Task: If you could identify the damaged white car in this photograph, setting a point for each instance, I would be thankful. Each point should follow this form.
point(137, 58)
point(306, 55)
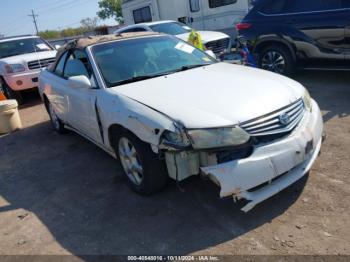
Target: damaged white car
point(166, 109)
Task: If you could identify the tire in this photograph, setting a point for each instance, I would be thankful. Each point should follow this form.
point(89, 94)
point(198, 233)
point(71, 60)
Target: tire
point(146, 174)
point(9, 93)
point(57, 124)
point(277, 59)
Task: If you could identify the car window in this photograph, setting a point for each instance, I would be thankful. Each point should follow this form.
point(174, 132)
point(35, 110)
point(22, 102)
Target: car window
point(345, 3)
point(296, 6)
point(173, 28)
point(274, 7)
point(300, 6)
point(23, 46)
point(77, 64)
point(135, 29)
point(124, 60)
point(60, 65)
point(219, 3)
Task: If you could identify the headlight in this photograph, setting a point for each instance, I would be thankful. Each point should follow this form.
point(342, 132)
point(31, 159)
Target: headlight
point(307, 100)
point(220, 137)
point(14, 68)
point(177, 140)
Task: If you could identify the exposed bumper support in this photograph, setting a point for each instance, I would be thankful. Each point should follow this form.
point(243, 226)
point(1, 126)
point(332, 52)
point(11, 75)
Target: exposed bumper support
point(278, 165)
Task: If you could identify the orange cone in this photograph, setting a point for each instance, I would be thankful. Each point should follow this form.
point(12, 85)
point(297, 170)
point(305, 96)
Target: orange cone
point(2, 96)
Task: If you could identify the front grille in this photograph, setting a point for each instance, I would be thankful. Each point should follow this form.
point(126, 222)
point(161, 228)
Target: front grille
point(218, 46)
point(40, 63)
point(271, 124)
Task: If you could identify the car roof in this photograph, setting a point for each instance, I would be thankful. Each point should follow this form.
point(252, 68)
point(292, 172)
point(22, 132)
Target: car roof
point(146, 24)
point(11, 38)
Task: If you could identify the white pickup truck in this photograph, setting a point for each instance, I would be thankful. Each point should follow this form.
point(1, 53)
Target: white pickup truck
point(166, 109)
point(21, 60)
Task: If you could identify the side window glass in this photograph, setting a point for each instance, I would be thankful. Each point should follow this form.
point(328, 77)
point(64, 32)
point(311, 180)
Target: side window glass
point(60, 66)
point(136, 29)
point(78, 54)
point(74, 67)
point(194, 5)
point(274, 7)
point(312, 5)
point(345, 3)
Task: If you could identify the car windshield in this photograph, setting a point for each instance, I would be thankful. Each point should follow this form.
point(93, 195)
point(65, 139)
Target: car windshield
point(132, 60)
point(22, 46)
point(173, 28)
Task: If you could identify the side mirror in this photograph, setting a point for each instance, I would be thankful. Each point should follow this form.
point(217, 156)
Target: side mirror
point(79, 82)
point(57, 47)
point(210, 53)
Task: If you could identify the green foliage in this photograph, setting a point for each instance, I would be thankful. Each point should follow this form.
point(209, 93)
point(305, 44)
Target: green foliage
point(110, 9)
point(52, 34)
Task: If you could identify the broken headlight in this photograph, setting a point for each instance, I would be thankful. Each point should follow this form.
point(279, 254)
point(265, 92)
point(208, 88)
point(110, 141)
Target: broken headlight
point(176, 140)
point(307, 100)
point(218, 137)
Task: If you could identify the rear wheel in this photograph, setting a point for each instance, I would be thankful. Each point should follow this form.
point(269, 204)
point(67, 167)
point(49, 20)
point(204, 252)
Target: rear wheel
point(277, 59)
point(145, 172)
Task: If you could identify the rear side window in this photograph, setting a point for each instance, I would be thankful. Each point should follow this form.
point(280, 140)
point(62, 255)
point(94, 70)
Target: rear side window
point(301, 6)
point(142, 15)
point(60, 66)
point(218, 3)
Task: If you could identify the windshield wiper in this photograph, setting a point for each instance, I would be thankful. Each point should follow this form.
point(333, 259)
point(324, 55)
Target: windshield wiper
point(136, 79)
point(188, 67)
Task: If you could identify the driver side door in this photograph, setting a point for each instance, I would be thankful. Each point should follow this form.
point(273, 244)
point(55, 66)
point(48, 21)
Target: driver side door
point(82, 108)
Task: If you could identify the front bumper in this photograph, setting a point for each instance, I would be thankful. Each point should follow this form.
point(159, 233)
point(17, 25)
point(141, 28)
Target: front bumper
point(28, 80)
point(278, 164)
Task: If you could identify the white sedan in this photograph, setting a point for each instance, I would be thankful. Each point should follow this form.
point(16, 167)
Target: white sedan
point(166, 109)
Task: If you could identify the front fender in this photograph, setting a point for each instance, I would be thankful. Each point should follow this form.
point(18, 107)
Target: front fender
point(144, 122)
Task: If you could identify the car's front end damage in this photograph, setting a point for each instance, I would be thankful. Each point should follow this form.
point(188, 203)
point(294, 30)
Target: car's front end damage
point(264, 156)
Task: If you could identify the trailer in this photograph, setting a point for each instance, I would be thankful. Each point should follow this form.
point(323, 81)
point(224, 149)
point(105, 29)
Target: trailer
point(217, 15)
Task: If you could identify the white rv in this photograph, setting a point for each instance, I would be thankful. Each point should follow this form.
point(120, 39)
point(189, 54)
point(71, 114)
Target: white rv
point(219, 15)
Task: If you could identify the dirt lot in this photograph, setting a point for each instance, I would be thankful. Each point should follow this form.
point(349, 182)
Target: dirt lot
point(63, 195)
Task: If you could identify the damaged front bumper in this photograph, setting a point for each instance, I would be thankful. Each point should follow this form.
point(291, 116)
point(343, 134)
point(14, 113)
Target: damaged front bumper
point(271, 167)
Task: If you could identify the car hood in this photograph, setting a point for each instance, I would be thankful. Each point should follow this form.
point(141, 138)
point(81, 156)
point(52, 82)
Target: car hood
point(216, 95)
point(25, 58)
point(207, 36)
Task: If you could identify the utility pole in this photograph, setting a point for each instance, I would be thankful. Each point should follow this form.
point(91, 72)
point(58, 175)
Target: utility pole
point(34, 16)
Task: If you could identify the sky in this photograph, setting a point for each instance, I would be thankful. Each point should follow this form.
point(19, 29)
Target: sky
point(52, 14)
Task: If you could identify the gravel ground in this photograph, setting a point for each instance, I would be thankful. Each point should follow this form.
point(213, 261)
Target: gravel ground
point(63, 195)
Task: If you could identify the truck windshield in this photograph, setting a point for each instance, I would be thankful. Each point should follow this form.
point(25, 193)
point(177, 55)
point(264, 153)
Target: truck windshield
point(22, 46)
point(173, 28)
point(132, 60)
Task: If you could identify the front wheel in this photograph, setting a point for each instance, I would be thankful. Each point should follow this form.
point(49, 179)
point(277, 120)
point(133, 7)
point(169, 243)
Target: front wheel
point(277, 59)
point(145, 172)
point(57, 124)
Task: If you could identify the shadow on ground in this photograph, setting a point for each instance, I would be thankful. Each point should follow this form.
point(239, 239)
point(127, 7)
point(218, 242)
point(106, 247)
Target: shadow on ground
point(79, 194)
point(331, 90)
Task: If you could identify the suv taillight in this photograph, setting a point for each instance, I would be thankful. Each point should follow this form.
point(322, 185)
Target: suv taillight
point(243, 26)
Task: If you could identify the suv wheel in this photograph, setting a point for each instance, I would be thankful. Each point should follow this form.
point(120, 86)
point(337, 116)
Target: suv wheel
point(276, 59)
point(145, 172)
point(57, 124)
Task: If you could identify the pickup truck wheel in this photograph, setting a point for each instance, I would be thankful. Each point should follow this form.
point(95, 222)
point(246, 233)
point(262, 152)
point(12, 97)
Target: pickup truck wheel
point(277, 59)
point(57, 124)
point(145, 172)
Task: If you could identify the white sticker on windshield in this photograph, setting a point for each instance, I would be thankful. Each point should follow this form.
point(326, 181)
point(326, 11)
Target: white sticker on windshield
point(185, 47)
point(42, 47)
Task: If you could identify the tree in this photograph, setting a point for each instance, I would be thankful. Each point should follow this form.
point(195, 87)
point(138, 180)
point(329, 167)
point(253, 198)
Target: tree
point(110, 9)
point(89, 23)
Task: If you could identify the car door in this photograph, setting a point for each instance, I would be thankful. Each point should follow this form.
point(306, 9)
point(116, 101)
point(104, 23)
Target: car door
point(82, 107)
point(321, 24)
point(56, 85)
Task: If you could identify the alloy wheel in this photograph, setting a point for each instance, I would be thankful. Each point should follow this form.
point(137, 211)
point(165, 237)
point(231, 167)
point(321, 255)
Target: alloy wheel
point(273, 61)
point(130, 161)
